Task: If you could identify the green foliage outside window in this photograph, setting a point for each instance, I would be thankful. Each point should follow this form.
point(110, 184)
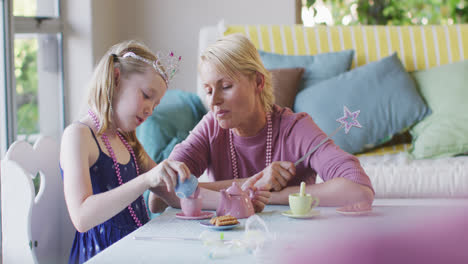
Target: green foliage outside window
point(397, 12)
point(26, 86)
point(25, 56)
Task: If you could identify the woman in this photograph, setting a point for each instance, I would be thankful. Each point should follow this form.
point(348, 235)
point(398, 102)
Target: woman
point(245, 134)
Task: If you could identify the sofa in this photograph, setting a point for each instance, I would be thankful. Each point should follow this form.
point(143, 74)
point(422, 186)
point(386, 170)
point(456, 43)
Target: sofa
point(409, 82)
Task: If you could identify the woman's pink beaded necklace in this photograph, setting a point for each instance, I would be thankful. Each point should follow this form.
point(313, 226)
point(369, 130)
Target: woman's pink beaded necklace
point(235, 170)
point(105, 139)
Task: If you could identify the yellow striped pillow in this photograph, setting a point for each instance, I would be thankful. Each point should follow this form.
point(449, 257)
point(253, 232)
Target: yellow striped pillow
point(387, 150)
point(419, 47)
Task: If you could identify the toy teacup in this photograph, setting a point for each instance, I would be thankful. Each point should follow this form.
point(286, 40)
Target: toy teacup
point(301, 203)
point(186, 188)
point(192, 205)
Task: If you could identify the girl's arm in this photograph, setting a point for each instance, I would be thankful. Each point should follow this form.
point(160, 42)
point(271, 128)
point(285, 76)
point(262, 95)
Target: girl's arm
point(85, 208)
point(335, 192)
point(195, 150)
point(160, 197)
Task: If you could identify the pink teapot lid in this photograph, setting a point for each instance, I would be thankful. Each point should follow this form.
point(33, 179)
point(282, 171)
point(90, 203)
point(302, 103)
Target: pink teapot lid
point(235, 189)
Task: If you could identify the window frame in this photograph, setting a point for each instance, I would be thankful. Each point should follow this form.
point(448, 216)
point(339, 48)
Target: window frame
point(8, 124)
point(11, 26)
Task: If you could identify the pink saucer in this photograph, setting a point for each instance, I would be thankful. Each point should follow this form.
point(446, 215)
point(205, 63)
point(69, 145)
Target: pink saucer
point(356, 213)
point(203, 215)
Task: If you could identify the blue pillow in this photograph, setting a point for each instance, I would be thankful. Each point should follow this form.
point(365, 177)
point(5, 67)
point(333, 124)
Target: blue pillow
point(317, 67)
point(171, 122)
point(383, 91)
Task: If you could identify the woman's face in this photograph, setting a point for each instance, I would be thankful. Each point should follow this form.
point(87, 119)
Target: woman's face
point(231, 101)
point(136, 97)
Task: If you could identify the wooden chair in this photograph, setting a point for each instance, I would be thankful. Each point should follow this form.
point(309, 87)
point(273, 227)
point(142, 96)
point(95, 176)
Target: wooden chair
point(36, 228)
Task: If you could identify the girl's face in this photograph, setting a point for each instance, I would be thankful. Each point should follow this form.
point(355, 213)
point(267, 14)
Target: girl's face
point(231, 101)
point(136, 97)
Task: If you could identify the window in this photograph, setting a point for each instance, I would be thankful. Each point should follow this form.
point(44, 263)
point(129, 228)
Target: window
point(32, 75)
point(319, 12)
point(381, 12)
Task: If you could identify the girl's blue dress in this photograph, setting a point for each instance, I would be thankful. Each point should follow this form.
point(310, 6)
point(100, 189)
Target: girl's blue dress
point(104, 178)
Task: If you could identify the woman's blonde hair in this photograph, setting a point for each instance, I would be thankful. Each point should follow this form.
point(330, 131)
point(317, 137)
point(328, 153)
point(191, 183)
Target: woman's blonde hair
point(233, 55)
point(102, 85)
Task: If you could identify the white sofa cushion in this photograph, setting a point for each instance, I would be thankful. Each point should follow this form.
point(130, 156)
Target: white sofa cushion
point(399, 176)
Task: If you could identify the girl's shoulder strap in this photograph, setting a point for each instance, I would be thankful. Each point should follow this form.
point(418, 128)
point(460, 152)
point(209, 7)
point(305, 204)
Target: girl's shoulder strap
point(92, 133)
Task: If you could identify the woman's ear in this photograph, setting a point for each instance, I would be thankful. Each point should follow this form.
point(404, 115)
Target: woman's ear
point(259, 81)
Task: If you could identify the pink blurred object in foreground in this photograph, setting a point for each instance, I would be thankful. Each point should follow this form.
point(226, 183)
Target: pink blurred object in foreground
point(440, 236)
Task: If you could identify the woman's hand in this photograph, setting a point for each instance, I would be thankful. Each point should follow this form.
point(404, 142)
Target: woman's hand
point(276, 176)
point(259, 197)
point(166, 173)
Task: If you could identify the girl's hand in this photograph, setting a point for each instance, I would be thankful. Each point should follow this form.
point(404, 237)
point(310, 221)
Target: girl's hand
point(276, 176)
point(166, 173)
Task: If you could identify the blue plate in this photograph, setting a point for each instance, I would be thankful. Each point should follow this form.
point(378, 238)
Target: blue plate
point(207, 224)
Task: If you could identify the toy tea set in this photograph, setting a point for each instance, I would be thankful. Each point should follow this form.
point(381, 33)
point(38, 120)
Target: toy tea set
point(302, 204)
point(234, 201)
point(237, 202)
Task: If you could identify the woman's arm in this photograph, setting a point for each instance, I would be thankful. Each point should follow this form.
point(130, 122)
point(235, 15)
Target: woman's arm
point(224, 184)
point(210, 198)
point(345, 181)
point(335, 192)
point(194, 151)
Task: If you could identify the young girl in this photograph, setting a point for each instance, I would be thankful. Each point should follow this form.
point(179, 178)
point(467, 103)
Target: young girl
point(104, 167)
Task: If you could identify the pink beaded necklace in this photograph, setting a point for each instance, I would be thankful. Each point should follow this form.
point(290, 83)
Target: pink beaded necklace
point(235, 170)
point(105, 139)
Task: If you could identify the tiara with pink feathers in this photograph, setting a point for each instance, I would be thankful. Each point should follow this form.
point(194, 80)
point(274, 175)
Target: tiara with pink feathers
point(166, 65)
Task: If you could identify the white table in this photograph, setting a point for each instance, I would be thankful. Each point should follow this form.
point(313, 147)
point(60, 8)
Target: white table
point(391, 212)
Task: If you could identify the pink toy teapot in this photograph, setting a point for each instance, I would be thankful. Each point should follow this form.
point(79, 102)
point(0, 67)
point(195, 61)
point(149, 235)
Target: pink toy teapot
point(236, 202)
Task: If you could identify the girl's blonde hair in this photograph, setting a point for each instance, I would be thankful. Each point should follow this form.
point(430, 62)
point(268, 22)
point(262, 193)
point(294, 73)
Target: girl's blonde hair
point(102, 85)
point(233, 55)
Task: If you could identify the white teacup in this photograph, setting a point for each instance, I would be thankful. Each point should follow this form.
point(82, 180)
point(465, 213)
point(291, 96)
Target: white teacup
point(302, 204)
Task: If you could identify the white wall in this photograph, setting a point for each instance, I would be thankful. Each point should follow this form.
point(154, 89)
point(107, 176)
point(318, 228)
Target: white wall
point(174, 25)
point(105, 29)
point(78, 54)
point(161, 24)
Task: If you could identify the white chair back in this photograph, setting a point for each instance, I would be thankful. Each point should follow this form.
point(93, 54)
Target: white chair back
point(36, 228)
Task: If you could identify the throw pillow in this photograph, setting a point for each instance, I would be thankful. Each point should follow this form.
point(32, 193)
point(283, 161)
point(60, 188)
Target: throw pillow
point(445, 132)
point(170, 123)
point(382, 90)
point(318, 67)
point(285, 84)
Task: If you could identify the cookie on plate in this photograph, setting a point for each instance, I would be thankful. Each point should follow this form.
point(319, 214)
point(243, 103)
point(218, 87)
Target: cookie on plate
point(223, 220)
